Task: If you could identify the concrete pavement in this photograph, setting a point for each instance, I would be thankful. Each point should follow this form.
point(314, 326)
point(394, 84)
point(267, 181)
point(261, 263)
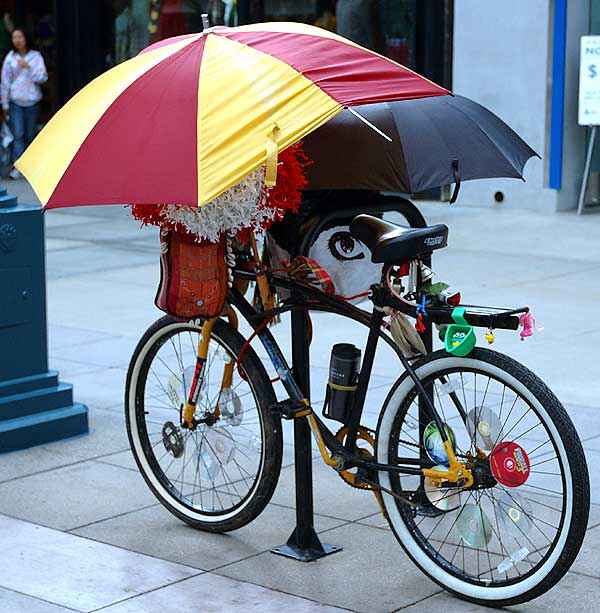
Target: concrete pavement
point(82, 531)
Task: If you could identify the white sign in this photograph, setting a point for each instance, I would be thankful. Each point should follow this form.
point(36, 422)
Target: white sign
point(589, 81)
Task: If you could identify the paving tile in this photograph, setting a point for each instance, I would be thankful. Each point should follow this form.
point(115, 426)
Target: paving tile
point(215, 594)
point(68, 368)
point(101, 388)
point(72, 496)
point(156, 532)
point(59, 219)
point(146, 275)
point(69, 336)
point(588, 561)
point(107, 434)
point(120, 234)
point(116, 309)
point(29, 461)
point(573, 593)
point(371, 574)
point(14, 602)
point(73, 572)
point(594, 519)
point(91, 258)
point(593, 458)
point(55, 244)
point(110, 352)
point(332, 496)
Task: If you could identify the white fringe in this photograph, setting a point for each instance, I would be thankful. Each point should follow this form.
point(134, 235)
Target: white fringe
point(241, 206)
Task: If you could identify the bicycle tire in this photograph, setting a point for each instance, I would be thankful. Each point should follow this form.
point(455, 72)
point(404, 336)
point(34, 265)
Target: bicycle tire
point(542, 403)
point(163, 486)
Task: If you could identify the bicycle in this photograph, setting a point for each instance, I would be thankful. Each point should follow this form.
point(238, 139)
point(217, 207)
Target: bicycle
point(474, 462)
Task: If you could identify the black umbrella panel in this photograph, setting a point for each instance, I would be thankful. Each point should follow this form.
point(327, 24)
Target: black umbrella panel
point(434, 142)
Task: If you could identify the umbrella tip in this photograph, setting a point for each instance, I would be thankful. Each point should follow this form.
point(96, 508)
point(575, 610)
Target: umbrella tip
point(205, 23)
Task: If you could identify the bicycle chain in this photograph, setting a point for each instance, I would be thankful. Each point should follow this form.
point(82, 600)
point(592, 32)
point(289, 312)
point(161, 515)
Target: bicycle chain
point(348, 477)
point(421, 446)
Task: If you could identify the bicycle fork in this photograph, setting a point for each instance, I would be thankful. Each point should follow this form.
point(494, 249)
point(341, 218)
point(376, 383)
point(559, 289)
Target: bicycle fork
point(187, 417)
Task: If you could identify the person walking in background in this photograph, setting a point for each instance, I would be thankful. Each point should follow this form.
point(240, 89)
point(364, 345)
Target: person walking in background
point(23, 71)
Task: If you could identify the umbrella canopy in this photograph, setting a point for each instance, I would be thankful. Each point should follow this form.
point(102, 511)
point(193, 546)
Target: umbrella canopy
point(191, 116)
point(434, 142)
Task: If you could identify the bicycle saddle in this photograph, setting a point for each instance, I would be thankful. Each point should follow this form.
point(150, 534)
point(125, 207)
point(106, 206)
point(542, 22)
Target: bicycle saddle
point(393, 244)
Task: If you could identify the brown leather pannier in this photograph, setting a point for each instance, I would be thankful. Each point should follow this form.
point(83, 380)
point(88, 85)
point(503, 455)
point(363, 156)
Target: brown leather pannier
point(193, 276)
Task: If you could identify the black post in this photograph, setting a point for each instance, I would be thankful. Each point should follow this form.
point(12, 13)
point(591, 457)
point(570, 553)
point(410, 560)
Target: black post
point(303, 544)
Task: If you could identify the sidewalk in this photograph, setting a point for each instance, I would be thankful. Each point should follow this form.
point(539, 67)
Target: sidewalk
point(82, 532)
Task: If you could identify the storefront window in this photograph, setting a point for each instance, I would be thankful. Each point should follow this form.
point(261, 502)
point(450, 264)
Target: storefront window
point(386, 26)
point(131, 28)
point(139, 23)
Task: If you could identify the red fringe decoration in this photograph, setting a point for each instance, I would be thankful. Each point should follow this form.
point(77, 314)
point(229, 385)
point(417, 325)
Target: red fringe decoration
point(286, 195)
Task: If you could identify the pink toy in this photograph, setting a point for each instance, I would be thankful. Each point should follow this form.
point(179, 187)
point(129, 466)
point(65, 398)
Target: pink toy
point(527, 320)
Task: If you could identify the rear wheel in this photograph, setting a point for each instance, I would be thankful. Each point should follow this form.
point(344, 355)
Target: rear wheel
point(514, 534)
point(216, 477)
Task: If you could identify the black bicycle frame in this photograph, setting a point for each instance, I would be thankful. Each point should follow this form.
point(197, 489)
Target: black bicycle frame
point(312, 299)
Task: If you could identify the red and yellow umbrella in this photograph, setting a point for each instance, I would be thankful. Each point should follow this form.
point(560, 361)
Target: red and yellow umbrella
point(191, 116)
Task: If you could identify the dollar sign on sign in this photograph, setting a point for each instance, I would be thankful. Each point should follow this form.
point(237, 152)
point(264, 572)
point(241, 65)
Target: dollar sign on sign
point(592, 69)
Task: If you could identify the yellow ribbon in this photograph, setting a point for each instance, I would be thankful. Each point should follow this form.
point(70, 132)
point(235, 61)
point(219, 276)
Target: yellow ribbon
point(271, 149)
point(343, 388)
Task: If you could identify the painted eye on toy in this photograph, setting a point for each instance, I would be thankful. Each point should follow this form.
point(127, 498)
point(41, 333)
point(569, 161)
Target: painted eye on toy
point(345, 247)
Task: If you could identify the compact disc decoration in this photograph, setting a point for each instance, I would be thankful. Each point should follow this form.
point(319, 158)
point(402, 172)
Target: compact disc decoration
point(443, 498)
point(510, 464)
point(474, 526)
point(434, 446)
point(514, 515)
point(484, 427)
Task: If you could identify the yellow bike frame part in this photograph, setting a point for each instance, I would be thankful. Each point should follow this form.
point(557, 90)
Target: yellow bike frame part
point(207, 327)
point(314, 426)
point(457, 471)
point(227, 379)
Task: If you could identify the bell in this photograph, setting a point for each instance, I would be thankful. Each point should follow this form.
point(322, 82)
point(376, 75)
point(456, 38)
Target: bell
point(426, 274)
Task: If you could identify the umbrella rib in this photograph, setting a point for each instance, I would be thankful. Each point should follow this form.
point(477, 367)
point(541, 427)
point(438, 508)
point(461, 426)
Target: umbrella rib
point(368, 123)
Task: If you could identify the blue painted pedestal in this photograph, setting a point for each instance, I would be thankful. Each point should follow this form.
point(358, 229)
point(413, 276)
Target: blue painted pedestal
point(35, 407)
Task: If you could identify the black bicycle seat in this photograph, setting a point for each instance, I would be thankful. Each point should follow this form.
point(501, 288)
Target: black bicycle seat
point(393, 244)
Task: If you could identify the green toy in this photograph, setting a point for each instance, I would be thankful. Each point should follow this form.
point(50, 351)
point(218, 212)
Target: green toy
point(460, 336)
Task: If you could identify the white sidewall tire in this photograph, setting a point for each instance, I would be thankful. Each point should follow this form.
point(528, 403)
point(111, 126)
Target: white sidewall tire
point(138, 451)
point(417, 554)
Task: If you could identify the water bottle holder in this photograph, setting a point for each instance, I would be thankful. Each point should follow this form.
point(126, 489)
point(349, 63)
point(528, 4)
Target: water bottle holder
point(338, 408)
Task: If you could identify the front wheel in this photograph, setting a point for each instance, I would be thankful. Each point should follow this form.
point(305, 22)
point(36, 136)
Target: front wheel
point(220, 475)
point(513, 534)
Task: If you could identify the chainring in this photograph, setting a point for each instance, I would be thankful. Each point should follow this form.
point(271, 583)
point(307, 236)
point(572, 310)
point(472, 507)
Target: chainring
point(364, 434)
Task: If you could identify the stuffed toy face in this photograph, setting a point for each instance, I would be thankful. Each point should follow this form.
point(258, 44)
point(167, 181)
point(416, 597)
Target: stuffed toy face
point(345, 258)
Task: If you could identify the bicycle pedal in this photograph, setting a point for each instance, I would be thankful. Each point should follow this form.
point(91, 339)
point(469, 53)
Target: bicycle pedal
point(291, 409)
